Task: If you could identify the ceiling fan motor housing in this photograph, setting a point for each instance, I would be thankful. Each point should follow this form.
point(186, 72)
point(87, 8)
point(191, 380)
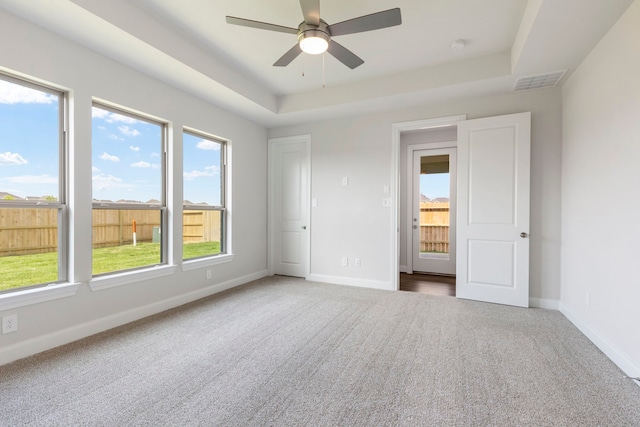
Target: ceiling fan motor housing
point(307, 31)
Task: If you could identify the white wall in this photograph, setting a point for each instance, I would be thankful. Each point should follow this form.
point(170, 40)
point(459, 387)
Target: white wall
point(350, 221)
point(601, 193)
point(34, 52)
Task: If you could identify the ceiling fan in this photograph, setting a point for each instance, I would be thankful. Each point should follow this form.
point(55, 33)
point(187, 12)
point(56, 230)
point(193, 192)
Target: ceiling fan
point(315, 35)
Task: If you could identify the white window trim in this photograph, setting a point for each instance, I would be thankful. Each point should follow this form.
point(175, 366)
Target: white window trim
point(112, 280)
point(24, 297)
point(196, 263)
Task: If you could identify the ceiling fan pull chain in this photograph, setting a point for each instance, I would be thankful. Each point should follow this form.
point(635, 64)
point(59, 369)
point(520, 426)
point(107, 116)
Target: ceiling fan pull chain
point(303, 56)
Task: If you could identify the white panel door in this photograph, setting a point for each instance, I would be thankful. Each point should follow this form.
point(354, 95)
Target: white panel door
point(289, 179)
point(434, 210)
point(493, 209)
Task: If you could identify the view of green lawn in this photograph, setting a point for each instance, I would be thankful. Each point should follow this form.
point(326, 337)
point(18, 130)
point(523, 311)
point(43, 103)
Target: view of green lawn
point(26, 270)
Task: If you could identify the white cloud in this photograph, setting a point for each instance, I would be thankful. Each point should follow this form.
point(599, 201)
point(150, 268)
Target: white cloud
point(11, 93)
point(115, 137)
point(9, 158)
point(109, 117)
point(208, 171)
point(106, 156)
point(155, 155)
point(106, 182)
point(206, 144)
point(94, 169)
point(32, 179)
point(126, 130)
point(133, 148)
point(141, 164)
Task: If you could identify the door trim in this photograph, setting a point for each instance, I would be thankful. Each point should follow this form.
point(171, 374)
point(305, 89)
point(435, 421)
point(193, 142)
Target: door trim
point(296, 139)
point(396, 132)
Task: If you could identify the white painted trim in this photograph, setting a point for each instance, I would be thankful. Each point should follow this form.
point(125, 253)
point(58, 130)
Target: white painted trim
point(548, 304)
point(206, 262)
point(127, 277)
point(36, 345)
point(396, 132)
point(404, 269)
point(24, 297)
point(350, 281)
point(306, 139)
point(612, 352)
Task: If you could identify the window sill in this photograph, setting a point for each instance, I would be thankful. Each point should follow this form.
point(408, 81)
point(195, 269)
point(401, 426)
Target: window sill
point(120, 279)
point(9, 301)
point(206, 262)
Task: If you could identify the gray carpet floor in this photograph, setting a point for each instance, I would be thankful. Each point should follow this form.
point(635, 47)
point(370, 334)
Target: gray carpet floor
point(285, 352)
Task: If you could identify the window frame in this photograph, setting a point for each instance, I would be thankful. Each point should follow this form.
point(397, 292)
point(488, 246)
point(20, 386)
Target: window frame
point(222, 208)
point(61, 204)
point(102, 280)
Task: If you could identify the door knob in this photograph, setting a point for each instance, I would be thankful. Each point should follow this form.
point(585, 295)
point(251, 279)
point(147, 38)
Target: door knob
point(524, 235)
point(415, 227)
point(304, 227)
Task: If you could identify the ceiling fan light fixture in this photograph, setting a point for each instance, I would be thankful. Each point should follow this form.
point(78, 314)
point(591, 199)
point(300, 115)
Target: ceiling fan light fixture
point(314, 42)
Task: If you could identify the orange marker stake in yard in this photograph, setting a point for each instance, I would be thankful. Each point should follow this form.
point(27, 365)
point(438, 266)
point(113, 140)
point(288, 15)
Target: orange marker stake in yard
point(133, 226)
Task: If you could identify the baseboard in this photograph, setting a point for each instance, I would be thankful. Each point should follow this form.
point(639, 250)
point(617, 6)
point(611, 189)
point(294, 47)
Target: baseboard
point(350, 281)
point(549, 304)
point(46, 342)
point(403, 269)
point(611, 351)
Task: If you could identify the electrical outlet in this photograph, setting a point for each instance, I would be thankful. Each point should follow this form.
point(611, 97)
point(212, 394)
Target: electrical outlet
point(9, 323)
point(208, 274)
point(356, 262)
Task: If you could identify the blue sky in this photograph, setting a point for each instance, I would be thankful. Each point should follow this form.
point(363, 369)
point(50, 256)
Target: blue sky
point(434, 185)
point(126, 153)
point(29, 159)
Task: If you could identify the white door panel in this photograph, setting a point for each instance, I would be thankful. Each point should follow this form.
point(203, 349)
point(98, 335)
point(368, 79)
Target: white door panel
point(493, 209)
point(288, 187)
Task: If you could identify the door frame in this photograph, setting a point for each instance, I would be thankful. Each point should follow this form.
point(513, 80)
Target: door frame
point(409, 195)
point(396, 132)
point(271, 220)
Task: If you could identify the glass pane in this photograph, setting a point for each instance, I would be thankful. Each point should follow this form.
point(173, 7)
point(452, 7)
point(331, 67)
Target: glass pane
point(28, 246)
point(126, 159)
point(115, 244)
point(29, 143)
point(201, 231)
point(434, 204)
point(201, 161)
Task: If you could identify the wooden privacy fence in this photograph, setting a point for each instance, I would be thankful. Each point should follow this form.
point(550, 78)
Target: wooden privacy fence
point(30, 231)
point(434, 227)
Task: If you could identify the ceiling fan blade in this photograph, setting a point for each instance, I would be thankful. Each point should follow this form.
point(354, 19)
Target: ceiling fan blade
point(311, 11)
point(260, 25)
point(288, 57)
point(344, 55)
point(375, 21)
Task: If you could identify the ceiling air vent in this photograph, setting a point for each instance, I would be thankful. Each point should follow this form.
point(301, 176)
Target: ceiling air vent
point(539, 81)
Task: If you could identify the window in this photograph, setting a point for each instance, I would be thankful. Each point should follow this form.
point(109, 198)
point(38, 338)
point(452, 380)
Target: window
point(204, 207)
point(129, 196)
point(33, 211)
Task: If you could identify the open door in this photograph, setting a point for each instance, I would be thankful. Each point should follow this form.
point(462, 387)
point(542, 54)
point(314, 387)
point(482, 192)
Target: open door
point(493, 209)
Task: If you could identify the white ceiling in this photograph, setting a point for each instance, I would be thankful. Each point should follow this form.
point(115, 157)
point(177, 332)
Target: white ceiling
point(188, 44)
